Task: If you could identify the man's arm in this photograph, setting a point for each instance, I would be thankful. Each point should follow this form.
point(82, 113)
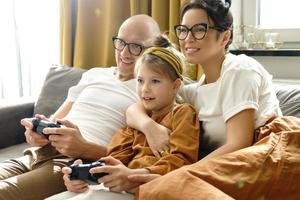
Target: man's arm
point(69, 142)
point(62, 111)
point(156, 134)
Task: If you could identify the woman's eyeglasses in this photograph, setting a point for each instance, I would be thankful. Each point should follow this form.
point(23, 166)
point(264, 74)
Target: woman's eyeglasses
point(198, 31)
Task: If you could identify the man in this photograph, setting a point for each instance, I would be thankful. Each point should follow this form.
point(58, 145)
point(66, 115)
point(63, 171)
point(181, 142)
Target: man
point(93, 111)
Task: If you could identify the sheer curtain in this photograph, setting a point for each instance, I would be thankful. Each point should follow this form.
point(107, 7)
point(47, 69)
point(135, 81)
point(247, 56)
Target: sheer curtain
point(29, 45)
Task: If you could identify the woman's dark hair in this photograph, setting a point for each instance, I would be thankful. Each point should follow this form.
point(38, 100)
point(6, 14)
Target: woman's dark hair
point(217, 10)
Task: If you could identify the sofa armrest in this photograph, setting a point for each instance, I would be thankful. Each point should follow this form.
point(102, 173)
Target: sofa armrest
point(11, 131)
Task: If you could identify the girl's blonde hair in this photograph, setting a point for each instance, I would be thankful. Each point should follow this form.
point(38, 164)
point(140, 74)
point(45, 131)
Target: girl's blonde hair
point(165, 67)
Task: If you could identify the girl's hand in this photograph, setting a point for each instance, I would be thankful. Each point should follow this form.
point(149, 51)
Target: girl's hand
point(116, 180)
point(77, 186)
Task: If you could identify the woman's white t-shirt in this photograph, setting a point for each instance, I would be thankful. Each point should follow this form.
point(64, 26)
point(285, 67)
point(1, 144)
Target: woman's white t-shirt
point(243, 84)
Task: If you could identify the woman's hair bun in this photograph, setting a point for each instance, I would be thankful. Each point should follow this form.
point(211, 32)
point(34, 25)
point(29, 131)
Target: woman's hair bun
point(223, 7)
point(227, 4)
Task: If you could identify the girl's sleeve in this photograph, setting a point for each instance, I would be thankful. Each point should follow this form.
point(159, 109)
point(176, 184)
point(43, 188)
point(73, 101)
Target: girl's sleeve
point(120, 146)
point(184, 141)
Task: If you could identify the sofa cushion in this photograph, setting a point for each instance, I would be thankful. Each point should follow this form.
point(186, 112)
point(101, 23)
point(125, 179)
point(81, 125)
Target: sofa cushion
point(289, 99)
point(55, 88)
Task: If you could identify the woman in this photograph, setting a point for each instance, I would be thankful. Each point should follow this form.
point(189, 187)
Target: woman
point(233, 98)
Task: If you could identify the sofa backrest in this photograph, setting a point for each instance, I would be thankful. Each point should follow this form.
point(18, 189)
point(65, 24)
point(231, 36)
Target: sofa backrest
point(289, 99)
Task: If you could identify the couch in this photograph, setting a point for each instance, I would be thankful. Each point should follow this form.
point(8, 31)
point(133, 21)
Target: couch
point(53, 93)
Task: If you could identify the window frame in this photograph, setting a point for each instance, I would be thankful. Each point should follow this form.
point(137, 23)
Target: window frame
point(250, 17)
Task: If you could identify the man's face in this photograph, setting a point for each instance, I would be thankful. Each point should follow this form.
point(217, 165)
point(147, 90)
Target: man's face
point(130, 43)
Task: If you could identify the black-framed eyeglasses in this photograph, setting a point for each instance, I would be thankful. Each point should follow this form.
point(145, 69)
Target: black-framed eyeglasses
point(198, 31)
point(134, 49)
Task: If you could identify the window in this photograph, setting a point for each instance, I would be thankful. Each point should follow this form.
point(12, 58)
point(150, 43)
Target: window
point(274, 16)
point(269, 17)
point(29, 45)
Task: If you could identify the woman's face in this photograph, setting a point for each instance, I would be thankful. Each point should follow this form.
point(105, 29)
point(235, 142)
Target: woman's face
point(205, 50)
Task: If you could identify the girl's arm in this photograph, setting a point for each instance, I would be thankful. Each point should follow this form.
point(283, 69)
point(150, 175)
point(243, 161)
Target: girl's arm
point(156, 134)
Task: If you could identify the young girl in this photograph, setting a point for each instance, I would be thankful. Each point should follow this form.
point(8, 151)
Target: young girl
point(235, 99)
point(158, 74)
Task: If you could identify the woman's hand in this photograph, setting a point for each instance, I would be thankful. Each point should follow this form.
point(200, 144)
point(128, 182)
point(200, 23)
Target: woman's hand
point(156, 134)
point(158, 138)
point(139, 179)
point(77, 186)
point(32, 137)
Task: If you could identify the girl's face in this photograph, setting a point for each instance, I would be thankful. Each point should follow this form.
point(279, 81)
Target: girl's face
point(205, 50)
point(156, 91)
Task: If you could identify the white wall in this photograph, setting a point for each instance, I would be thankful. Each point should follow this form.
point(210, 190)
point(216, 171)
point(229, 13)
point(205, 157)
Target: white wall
point(281, 67)
point(236, 9)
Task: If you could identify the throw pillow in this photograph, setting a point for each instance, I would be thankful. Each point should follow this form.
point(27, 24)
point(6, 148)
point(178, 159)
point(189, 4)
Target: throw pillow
point(55, 88)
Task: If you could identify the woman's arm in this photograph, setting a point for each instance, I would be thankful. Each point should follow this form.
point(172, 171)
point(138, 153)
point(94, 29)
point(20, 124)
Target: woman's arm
point(184, 140)
point(156, 134)
point(240, 130)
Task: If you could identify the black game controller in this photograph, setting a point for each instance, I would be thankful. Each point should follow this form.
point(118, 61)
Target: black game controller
point(39, 125)
point(81, 172)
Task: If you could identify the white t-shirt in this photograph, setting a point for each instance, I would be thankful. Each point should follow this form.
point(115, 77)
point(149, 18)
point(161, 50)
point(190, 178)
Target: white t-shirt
point(100, 102)
point(243, 84)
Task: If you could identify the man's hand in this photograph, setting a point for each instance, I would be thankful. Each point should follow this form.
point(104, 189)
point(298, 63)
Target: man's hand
point(67, 140)
point(74, 185)
point(116, 180)
point(140, 179)
point(158, 138)
point(32, 137)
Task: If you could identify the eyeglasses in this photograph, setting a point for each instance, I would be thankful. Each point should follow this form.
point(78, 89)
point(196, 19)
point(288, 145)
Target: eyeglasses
point(198, 31)
point(134, 49)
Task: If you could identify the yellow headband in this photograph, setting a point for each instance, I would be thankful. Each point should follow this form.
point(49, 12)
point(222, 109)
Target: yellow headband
point(168, 56)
